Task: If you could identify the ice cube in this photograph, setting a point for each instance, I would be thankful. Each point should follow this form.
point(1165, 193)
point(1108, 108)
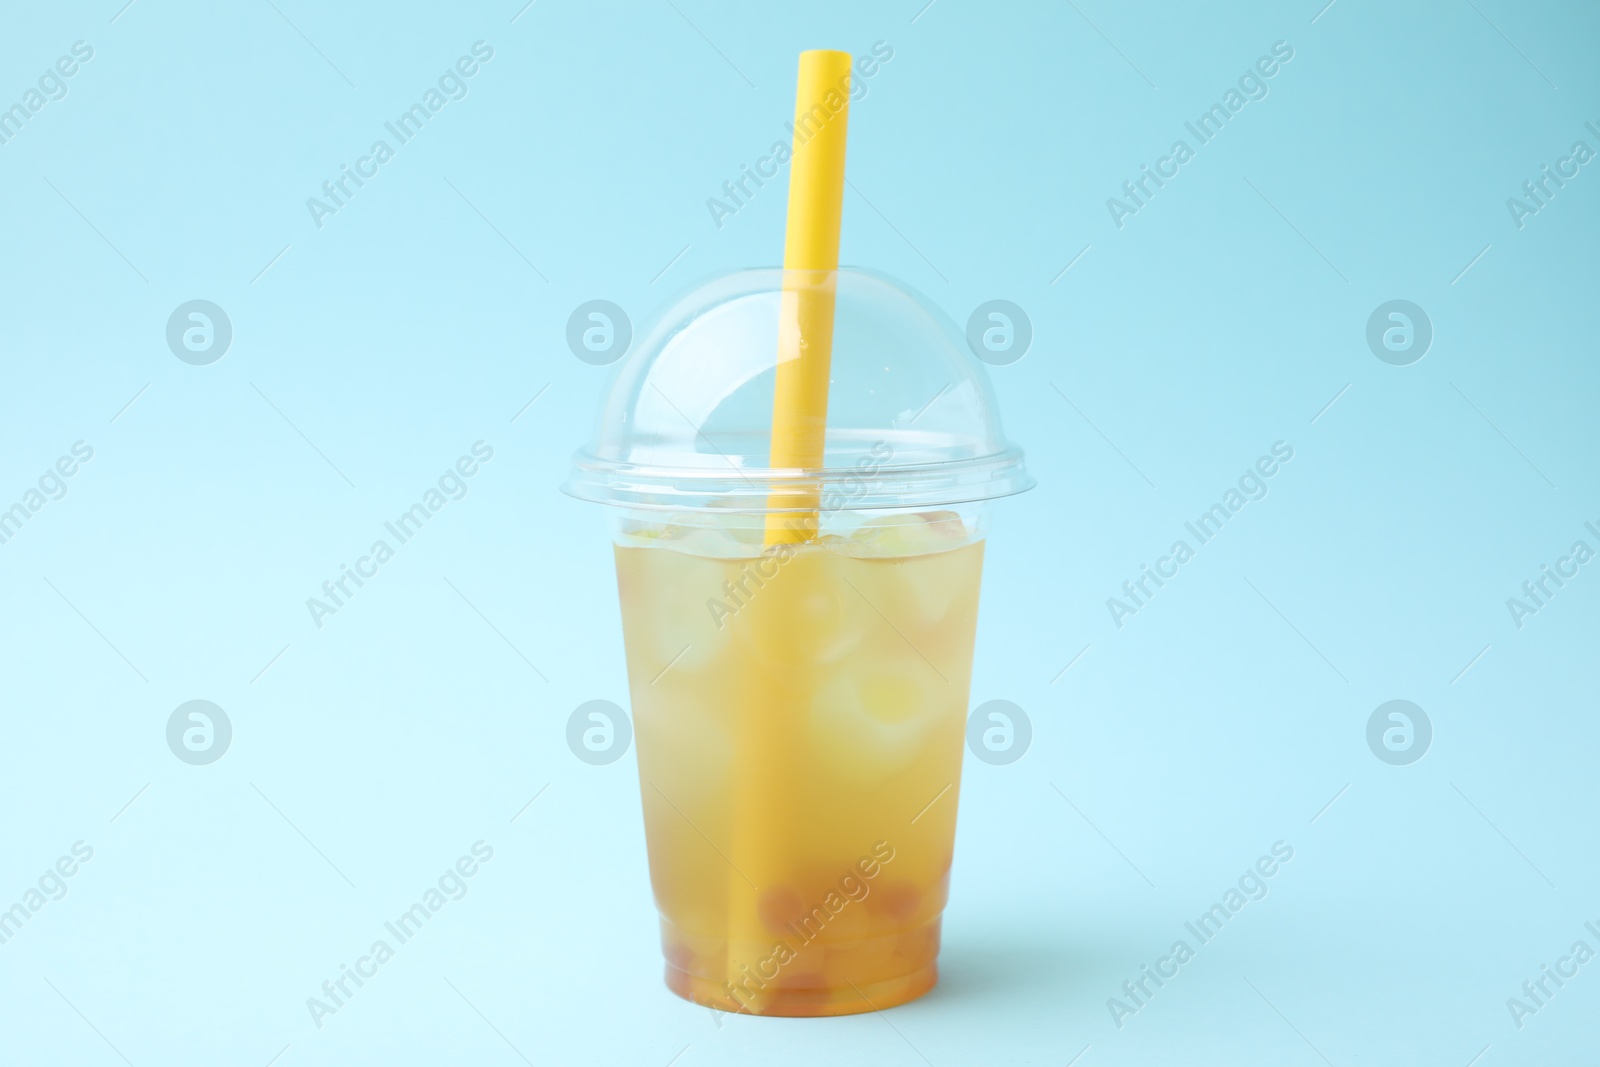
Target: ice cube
point(869, 723)
point(710, 535)
point(802, 613)
point(911, 534)
point(922, 595)
point(665, 615)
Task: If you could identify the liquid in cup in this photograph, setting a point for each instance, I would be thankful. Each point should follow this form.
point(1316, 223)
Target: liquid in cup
point(859, 651)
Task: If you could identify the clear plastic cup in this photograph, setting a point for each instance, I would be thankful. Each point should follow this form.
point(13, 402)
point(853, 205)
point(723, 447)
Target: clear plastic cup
point(799, 708)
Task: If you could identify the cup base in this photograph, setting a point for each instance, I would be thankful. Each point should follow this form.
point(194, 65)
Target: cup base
point(806, 1003)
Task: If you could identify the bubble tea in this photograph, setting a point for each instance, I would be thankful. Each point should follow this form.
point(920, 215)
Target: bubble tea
point(799, 704)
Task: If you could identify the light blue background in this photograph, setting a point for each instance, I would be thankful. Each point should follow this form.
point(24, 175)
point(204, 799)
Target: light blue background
point(1223, 317)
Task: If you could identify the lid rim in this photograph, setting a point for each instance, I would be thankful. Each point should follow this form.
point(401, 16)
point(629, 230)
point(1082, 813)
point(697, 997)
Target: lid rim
point(1007, 457)
point(746, 490)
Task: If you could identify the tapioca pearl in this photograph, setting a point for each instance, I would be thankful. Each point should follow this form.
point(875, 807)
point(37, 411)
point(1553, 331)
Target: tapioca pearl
point(780, 906)
point(851, 923)
point(869, 959)
point(898, 901)
point(920, 944)
point(679, 955)
point(805, 969)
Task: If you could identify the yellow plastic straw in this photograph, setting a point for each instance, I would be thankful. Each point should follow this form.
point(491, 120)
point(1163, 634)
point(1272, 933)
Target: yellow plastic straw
point(762, 825)
point(810, 256)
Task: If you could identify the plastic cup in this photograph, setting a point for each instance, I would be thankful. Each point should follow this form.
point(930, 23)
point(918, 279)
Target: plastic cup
point(799, 708)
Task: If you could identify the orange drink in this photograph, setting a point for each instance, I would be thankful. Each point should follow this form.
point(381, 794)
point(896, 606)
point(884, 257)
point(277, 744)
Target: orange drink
point(856, 653)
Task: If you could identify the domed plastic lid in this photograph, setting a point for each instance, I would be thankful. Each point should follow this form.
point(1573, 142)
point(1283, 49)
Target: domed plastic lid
point(686, 426)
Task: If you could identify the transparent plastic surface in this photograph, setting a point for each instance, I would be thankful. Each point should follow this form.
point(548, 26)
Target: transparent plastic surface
point(799, 641)
point(687, 424)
